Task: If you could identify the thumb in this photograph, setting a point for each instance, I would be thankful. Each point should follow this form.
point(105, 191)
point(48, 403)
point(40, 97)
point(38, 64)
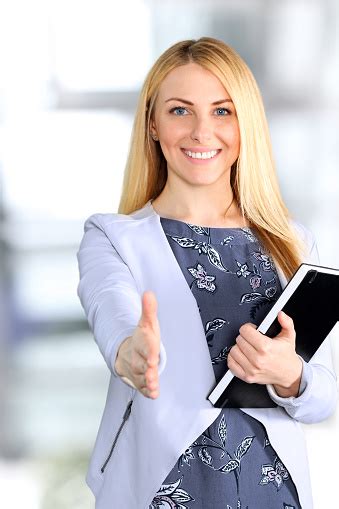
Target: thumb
point(149, 309)
point(287, 326)
point(149, 319)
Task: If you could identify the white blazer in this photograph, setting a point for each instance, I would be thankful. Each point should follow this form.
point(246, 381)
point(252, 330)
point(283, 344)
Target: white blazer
point(121, 256)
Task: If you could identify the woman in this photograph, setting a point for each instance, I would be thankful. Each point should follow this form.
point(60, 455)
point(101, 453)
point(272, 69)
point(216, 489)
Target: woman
point(173, 287)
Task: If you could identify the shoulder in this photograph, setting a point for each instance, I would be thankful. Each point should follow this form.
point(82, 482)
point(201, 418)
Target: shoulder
point(310, 250)
point(305, 233)
point(104, 221)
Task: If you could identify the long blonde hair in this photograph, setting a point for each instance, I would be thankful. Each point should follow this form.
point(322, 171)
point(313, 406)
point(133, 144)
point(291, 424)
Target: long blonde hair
point(253, 176)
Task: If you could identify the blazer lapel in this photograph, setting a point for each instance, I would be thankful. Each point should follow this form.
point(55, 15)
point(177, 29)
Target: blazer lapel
point(188, 376)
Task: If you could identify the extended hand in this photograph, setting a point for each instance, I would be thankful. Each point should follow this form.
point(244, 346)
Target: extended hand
point(138, 356)
point(256, 358)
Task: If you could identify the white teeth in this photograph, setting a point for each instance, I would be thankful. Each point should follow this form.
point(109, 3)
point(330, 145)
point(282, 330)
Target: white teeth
point(201, 155)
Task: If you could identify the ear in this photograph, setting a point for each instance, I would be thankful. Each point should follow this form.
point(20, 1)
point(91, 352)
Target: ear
point(152, 126)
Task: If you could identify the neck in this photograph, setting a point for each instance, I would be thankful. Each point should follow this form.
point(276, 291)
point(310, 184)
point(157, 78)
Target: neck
point(200, 207)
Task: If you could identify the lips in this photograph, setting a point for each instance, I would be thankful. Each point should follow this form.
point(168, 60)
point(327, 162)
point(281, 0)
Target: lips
point(198, 160)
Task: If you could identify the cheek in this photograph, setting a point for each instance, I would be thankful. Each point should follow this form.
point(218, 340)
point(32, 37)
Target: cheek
point(231, 136)
point(171, 139)
point(237, 142)
point(175, 129)
point(170, 132)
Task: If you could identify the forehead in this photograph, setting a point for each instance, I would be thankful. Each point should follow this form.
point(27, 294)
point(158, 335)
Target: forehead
point(192, 81)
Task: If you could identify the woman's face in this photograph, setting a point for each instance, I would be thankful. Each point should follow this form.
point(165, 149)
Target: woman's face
point(192, 122)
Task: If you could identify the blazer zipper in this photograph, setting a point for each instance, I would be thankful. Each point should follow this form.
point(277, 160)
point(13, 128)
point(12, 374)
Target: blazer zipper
point(124, 419)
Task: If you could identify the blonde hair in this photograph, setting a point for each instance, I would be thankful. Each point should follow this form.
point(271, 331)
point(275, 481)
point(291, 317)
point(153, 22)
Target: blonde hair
point(253, 176)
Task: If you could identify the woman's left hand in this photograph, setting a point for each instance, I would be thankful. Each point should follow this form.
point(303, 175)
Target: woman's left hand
point(256, 358)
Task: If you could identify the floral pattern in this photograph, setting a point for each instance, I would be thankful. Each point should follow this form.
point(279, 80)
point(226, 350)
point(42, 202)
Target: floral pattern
point(234, 281)
point(243, 270)
point(201, 278)
point(276, 473)
point(171, 496)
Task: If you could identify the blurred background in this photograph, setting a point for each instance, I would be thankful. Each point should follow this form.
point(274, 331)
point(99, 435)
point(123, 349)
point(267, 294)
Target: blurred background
point(70, 75)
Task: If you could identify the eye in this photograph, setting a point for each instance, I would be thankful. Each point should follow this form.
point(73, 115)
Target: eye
point(177, 108)
point(225, 110)
point(182, 108)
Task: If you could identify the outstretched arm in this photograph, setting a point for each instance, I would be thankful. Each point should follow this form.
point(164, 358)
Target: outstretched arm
point(108, 292)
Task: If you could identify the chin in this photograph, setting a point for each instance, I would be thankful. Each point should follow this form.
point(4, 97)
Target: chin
point(203, 180)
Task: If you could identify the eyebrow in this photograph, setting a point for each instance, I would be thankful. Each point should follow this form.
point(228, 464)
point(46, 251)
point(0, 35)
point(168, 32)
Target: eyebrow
point(192, 104)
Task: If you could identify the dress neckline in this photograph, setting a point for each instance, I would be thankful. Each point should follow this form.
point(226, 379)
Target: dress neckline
point(210, 228)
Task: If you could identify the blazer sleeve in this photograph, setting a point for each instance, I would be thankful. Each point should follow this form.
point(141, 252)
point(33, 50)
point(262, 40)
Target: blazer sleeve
point(108, 292)
point(318, 393)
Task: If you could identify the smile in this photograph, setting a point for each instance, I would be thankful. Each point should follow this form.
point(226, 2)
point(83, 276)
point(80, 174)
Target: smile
point(201, 156)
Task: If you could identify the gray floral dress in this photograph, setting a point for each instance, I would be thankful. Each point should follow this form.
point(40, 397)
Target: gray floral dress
point(232, 464)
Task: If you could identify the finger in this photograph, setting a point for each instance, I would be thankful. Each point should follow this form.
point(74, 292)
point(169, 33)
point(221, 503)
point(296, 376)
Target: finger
point(237, 355)
point(141, 382)
point(149, 309)
point(145, 376)
point(153, 358)
point(152, 378)
point(149, 351)
point(247, 349)
point(255, 338)
point(147, 383)
point(152, 349)
point(287, 326)
point(235, 368)
point(150, 394)
point(147, 389)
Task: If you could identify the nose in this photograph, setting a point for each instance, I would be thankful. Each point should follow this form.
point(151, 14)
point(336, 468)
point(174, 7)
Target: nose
point(201, 130)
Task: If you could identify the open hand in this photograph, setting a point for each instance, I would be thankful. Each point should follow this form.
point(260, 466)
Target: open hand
point(138, 356)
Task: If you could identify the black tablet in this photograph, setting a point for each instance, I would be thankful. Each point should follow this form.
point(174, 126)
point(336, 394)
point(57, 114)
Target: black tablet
point(311, 299)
